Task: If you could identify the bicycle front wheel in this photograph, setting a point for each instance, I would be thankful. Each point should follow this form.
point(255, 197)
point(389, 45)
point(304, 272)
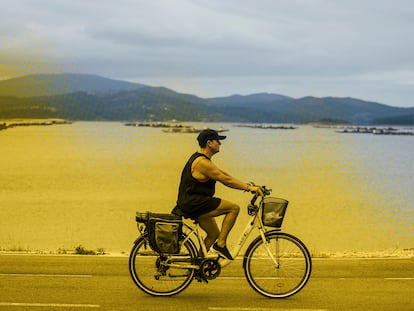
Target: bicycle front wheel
point(158, 274)
point(278, 267)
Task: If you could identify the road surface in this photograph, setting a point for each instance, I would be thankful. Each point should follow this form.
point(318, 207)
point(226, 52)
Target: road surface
point(47, 282)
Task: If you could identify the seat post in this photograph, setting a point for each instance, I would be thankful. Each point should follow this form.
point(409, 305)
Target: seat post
point(200, 238)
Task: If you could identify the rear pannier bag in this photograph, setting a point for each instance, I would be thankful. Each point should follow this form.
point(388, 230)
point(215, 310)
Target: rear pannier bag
point(164, 231)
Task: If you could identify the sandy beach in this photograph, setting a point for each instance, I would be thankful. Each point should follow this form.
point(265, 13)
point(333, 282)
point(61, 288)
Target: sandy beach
point(63, 186)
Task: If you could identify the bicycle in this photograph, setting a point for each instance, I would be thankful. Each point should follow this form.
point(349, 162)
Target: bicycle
point(276, 264)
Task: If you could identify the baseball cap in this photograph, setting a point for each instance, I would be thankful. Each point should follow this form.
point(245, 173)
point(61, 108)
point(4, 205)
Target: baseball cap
point(208, 134)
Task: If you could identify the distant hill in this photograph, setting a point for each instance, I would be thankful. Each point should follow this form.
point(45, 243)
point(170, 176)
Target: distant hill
point(397, 120)
point(303, 110)
point(145, 103)
point(55, 84)
point(90, 97)
point(262, 100)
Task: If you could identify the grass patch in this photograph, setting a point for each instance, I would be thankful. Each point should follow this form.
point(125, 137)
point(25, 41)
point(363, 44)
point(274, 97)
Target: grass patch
point(80, 250)
point(17, 249)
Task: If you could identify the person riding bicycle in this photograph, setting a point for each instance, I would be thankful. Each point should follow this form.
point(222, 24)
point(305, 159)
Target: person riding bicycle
point(196, 193)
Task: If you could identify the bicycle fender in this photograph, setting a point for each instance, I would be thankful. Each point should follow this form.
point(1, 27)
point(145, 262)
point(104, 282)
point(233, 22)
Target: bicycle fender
point(139, 237)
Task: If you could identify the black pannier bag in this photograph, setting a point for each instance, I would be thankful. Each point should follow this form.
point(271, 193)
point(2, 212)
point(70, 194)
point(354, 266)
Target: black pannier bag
point(164, 231)
point(273, 211)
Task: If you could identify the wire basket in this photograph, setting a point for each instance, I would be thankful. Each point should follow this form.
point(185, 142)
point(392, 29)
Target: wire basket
point(273, 211)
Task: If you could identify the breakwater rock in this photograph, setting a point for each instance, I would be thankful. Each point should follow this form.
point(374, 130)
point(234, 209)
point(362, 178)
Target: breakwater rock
point(375, 131)
point(31, 122)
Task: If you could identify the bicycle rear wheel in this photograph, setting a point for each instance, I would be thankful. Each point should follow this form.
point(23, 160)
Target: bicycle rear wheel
point(283, 275)
point(152, 272)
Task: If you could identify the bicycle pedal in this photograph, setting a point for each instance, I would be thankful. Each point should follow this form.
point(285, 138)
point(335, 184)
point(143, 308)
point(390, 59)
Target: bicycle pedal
point(200, 278)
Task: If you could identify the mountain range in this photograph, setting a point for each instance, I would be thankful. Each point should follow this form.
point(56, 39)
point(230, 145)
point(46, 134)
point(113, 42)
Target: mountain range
point(91, 97)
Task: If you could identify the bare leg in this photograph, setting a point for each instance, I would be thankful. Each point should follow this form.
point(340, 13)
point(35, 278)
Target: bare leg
point(209, 225)
point(231, 211)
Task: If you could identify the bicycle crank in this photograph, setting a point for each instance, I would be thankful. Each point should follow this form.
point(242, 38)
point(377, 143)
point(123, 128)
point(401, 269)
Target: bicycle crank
point(210, 268)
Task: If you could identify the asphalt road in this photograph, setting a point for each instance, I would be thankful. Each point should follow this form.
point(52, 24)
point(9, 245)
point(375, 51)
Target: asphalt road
point(42, 282)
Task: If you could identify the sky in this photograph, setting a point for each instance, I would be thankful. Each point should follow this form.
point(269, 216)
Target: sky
point(211, 48)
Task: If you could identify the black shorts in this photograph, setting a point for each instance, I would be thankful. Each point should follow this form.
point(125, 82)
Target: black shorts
point(202, 207)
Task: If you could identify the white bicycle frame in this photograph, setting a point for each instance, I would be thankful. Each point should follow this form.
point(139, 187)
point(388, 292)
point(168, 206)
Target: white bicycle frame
point(254, 219)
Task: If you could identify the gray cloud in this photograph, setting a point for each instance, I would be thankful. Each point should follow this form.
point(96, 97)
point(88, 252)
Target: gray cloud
point(212, 48)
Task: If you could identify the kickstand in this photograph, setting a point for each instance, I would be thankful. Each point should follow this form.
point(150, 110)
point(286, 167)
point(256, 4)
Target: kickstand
point(200, 277)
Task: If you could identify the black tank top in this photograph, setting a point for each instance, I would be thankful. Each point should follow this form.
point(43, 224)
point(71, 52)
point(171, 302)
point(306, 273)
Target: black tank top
point(192, 192)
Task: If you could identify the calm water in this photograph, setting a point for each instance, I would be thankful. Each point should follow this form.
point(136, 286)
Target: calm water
point(62, 186)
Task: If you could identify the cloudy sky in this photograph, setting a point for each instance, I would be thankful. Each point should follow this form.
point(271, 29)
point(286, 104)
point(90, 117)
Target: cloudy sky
point(356, 48)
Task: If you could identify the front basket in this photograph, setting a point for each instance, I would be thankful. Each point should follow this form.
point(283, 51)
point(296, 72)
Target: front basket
point(273, 211)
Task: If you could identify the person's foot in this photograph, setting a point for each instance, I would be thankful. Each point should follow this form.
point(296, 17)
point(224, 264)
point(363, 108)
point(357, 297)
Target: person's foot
point(223, 251)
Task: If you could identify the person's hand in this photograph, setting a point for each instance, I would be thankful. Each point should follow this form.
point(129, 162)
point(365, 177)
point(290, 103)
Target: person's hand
point(256, 189)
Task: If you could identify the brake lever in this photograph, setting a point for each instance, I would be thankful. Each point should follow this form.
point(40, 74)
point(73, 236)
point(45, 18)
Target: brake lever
point(265, 190)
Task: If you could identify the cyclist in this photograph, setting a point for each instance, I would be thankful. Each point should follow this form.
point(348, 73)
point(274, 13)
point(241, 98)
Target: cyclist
point(196, 193)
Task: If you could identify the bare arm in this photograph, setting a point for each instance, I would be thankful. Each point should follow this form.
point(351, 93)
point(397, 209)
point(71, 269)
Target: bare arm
point(210, 170)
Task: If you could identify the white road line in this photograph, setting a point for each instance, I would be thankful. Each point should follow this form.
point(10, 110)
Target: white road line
point(224, 278)
point(48, 305)
point(48, 275)
point(244, 278)
point(259, 309)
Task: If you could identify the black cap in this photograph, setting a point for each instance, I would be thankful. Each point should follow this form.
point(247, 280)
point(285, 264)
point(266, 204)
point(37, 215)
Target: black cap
point(208, 134)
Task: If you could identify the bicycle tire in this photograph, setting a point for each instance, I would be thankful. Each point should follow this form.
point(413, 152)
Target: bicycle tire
point(284, 278)
point(152, 277)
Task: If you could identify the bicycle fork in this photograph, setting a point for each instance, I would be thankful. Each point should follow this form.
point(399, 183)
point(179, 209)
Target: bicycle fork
point(266, 243)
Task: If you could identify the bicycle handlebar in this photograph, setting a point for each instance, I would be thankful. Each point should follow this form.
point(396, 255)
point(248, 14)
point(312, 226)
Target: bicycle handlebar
point(264, 190)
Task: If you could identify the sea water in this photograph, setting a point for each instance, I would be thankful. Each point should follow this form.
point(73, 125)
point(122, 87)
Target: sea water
point(68, 185)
